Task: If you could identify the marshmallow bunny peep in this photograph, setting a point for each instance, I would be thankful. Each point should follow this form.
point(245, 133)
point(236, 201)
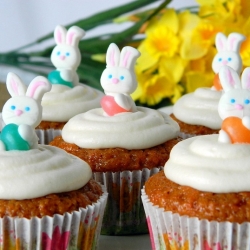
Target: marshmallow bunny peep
point(228, 54)
point(66, 56)
point(234, 106)
point(22, 113)
point(118, 80)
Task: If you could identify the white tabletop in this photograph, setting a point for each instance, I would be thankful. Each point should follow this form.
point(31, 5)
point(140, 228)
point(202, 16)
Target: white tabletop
point(136, 242)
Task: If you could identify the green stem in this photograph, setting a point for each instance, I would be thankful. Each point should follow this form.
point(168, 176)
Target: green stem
point(193, 9)
point(93, 21)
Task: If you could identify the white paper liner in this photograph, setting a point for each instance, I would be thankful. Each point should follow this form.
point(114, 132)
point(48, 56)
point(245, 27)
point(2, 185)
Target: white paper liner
point(77, 230)
point(172, 231)
point(46, 136)
point(124, 213)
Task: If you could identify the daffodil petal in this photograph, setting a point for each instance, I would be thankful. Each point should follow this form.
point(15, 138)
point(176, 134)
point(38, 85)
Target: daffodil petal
point(146, 60)
point(174, 67)
point(169, 19)
point(188, 22)
point(196, 80)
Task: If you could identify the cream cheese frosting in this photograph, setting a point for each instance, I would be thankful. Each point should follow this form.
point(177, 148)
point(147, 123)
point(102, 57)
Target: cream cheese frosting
point(199, 108)
point(141, 129)
point(207, 165)
point(62, 102)
point(38, 172)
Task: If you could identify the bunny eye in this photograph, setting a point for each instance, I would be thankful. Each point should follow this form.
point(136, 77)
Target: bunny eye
point(229, 59)
point(220, 59)
point(67, 53)
point(232, 100)
point(246, 101)
point(121, 77)
point(12, 107)
point(27, 108)
point(58, 53)
point(110, 76)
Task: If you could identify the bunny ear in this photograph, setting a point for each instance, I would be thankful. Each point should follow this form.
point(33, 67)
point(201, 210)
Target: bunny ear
point(74, 35)
point(220, 42)
point(113, 55)
point(229, 78)
point(234, 41)
point(128, 57)
point(245, 78)
point(38, 87)
point(15, 85)
point(60, 34)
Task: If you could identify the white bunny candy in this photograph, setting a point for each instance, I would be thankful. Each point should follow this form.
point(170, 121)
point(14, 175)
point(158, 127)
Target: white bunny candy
point(66, 56)
point(228, 54)
point(118, 79)
point(228, 51)
point(234, 106)
point(23, 111)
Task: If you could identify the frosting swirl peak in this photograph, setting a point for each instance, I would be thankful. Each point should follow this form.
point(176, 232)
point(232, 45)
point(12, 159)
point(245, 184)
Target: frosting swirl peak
point(71, 101)
point(38, 172)
point(199, 108)
point(144, 128)
point(205, 164)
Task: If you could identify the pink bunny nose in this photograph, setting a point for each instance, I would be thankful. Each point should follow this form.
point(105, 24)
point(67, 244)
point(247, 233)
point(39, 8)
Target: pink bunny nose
point(62, 57)
point(238, 106)
point(224, 62)
point(18, 112)
point(115, 80)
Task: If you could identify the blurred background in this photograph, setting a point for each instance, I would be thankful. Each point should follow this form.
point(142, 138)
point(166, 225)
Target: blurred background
point(176, 40)
point(22, 22)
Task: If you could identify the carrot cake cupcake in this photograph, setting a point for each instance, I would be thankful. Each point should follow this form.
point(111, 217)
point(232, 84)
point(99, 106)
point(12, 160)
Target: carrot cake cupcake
point(197, 112)
point(67, 97)
point(202, 199)
point(122, 143)
point(47, 197)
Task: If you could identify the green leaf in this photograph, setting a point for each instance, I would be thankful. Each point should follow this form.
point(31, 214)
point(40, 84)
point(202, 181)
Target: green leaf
point(99, 44)
point(109, 15)
point(90, 74)
point(98, 19)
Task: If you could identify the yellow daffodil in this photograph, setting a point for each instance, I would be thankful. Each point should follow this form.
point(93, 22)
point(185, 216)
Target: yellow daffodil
point(168, 19)
point(161, 40)
point(197, 36)
point(160, 82)
point(245, 47)
point(199, 72)
point(153, 88)
point(177, 52)
point(245, 51)
point(159, 69)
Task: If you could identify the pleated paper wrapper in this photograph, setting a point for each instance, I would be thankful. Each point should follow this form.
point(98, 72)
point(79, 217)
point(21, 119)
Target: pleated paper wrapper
point(174, 232)
point(70, 231)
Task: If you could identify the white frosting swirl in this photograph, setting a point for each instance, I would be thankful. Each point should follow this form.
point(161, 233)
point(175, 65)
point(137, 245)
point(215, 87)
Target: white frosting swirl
point(199, 108)
point(144, 128)
point(62, 102)
point(207, 165)
point(38, 172)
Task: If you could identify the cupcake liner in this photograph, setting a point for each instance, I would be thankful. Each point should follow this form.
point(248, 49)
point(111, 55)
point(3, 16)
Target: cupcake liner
point(46, 136)
point(124, 213)
point(72, 231)
point(172, 231)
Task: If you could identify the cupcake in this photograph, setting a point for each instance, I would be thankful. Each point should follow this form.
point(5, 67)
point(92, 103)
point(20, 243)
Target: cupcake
point(122, 143)
point(201, 199)
point(197, 112)
point(67, 97)
point(47, 197)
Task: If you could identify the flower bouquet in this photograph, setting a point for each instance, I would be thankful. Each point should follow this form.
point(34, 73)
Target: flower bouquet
point(176, 45)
